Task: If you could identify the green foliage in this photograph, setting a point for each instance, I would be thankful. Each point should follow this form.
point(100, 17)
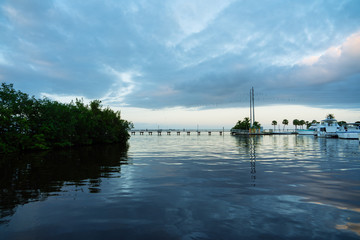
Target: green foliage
point(243, 125)
point(28, 123)
point(285, 122)
point(274, 123)
point(342, 123)
point(302, 123)
point(296, 123)
point(330, 116)
point(308, 124)
point(256, 125)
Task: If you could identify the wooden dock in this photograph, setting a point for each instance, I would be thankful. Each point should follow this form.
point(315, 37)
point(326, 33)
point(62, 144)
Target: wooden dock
point(177, 132)
point(233, 132)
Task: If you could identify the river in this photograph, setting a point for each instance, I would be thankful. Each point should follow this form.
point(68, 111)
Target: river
point(185, 187)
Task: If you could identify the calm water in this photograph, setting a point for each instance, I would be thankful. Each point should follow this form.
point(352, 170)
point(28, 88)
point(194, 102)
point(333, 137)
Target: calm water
point(186, 187)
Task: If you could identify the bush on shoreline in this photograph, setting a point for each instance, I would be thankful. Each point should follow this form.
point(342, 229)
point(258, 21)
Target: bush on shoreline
point(27, 123)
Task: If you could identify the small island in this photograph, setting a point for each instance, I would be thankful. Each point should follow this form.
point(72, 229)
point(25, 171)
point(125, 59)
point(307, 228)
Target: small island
point(245, 127)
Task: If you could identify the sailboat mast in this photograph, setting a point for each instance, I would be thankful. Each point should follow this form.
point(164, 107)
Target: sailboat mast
point(250, 109)
point(253, 105)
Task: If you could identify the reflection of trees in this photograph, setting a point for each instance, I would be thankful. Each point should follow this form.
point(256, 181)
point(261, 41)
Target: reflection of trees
point(35, 176)
point(249, 143)
point(245, 142)
point(252, 160)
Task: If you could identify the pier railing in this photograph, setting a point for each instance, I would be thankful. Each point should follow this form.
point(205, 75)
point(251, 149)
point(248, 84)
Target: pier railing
point(178, 131)
point(220, 131)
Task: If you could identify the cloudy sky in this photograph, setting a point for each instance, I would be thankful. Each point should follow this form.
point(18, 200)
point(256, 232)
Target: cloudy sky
point(183, 63)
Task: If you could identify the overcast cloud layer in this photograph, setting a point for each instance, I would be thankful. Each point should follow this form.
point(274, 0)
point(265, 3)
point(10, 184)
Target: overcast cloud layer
point(156, 54)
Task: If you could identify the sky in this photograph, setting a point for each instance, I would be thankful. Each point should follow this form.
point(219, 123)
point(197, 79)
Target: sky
point(188, 63)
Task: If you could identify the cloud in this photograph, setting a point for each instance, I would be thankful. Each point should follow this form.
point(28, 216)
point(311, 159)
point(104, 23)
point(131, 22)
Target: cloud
point(308, 61)
point(122, 86)
point(65, 98)
point(348, 51)
point(15, 16)
point(4, 60)
point(183, 53)
point(195, 16)
point(337, 63)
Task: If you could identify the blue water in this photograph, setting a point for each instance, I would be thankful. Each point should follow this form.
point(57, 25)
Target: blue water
point(186, 187)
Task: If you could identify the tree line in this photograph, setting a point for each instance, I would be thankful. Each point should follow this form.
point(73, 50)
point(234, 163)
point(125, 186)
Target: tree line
point(301, 123)
point(245, 124)
point(27, 123)
point(296, 123)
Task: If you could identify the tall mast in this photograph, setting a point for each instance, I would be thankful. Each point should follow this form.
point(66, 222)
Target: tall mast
point(253, 105)
point(250, 109)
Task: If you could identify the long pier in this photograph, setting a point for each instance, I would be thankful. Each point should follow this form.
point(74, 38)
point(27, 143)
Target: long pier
point(221, 132)
point(233, 132)
point(178, 131)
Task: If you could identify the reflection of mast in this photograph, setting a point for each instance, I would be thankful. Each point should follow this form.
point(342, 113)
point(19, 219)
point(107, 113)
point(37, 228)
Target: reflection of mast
point(252, 107)
point(252, 160)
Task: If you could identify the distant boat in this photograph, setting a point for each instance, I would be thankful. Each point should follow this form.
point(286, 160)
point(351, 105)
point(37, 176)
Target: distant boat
point(281, 133)
point(327, 128)
point(349, 131)
point(307, 132)
point(310, 131)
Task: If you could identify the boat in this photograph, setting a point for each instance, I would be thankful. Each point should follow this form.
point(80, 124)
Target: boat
point(282, 133)
point(328, 128)
point(310, 131)
point(349, 131)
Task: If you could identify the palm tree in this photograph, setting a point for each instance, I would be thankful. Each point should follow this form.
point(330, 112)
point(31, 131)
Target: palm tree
point(342, 123)
point(302, 122)
point(330, 116)
point(274, 123)
point(285, 122)
point(296, 123)
point(257, 125)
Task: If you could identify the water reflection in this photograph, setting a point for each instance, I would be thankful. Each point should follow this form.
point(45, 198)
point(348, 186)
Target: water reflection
point(195, 187)
point(32, 177)
point(338, 147)
point(355, 227)
point(252, 160)
point(249, 143)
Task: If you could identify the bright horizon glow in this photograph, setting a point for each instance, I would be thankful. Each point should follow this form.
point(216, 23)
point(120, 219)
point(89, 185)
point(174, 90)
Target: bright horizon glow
point(179, 118)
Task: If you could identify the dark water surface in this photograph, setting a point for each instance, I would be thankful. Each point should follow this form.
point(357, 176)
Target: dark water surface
point(185, 187)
